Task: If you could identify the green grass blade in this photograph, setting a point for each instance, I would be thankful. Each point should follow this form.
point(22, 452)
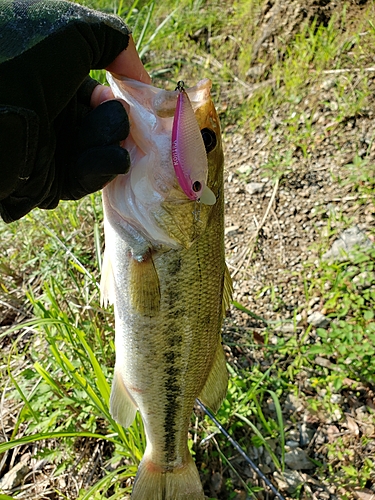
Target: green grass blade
point(100, 380)
point(130, 10)
point(71, 370)
point(233, 469)
point(145, 26)
point(261, 438)
point(47, 378)
point(9, 445)
point(240, 307)
point(261, 416)
point(146, 47)
point(22, 395)
point(280, 420)
point(104, 483)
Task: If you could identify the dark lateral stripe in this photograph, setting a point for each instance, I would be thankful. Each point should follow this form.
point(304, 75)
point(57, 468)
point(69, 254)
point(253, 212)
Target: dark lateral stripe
point(173, 404)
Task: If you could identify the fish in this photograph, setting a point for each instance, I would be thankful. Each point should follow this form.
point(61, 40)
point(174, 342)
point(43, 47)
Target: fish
point(164, 271)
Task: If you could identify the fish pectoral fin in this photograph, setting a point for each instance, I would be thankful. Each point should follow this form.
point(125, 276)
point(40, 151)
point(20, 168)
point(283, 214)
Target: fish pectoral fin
point(122, 406)
point(145, 287)
point(215, 388)
point(227, 291)
point(107, 288)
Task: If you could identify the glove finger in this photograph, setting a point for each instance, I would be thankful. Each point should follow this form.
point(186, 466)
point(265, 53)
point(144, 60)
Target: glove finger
point(105, 125)
point(94, 169)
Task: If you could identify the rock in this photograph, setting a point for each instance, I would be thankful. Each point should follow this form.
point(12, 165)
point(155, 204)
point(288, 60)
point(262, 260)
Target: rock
point(336, 398)
point(293, 435)
point(16, 475)
point(364, 280)
point(285, 328)
point(334, 416)
point(231, 230)
point(328, 84)
point(306, 434)
point(256, 71)
point(363, 494)
point(264, 468)
point(318, 320)
point(216, 482)
point(255, 187)
point(289, 480)
point(349, 241)
point(244, 169)
point(293, 403)
point(292, 444)
point(297, 459)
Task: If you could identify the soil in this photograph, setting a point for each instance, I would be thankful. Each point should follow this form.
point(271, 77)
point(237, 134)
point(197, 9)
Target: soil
point(273, 228)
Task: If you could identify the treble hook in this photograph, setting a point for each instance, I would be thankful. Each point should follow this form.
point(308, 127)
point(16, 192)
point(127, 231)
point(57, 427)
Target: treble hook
point(180, 86)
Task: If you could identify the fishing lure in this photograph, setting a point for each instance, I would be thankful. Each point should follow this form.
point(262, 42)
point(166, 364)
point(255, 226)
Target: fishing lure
point(189, 156)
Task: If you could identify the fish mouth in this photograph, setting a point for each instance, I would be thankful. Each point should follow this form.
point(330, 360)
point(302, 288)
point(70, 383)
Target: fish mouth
point(164, 102)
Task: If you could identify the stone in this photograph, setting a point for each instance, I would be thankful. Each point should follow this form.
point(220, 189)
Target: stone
point(297, 459)
point(293, 403)
point(306, 434)
point(318, 320)
point(364, 280)
point(292, 444)
point(255, 187)
point(231, 230)
point(289, 480)
point(15, 476)
point(349, 241)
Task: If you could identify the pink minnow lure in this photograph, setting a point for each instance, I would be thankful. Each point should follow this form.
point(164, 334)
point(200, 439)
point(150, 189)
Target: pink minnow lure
point(189, 155)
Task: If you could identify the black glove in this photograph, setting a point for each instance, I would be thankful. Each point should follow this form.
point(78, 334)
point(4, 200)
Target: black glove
point(52, 145)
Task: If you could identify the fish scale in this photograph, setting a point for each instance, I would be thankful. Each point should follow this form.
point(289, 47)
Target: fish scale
point(168, 293)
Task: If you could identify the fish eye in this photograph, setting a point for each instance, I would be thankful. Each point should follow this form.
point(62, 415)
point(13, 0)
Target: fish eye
point(196, 186)
point(209, 139)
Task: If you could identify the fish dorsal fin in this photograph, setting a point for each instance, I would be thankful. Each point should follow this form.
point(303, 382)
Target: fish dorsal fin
point(107, 282)
point(215, 388)
point(227, 291)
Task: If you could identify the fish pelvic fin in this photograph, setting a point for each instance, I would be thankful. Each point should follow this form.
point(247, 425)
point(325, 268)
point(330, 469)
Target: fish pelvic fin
point(215, 388)
point(145, 286)
point(156, 483)
point(106, 282)
point(122, 407)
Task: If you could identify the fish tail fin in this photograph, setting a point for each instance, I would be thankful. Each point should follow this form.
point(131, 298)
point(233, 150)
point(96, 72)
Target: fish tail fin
point(156, 483)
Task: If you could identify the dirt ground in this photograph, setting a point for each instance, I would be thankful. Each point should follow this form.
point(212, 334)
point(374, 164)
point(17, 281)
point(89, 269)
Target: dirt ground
point(273, 227)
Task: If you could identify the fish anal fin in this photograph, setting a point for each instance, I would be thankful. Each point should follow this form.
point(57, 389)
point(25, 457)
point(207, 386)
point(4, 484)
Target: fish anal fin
point(215, 388)
point(145, 286)
point(107, 290)
point(227, 291)
point(155, 482)
point(122, 407)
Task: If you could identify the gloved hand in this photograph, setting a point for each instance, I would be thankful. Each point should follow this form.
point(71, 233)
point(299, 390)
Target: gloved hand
point(53, 146)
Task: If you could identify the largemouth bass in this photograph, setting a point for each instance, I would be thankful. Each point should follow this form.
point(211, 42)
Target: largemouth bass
point(165, 273)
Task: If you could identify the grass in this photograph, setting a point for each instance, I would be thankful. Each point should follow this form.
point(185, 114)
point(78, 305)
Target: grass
point(57, 345)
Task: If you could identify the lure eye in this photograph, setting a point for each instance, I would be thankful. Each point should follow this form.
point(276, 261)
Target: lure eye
point(197, 186)
point(209, 139)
